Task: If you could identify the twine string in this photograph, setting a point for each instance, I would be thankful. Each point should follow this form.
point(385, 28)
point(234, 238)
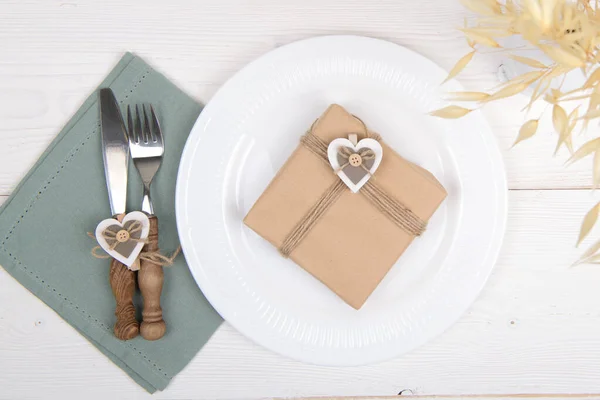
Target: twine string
point(304, 226)
point(155, 257)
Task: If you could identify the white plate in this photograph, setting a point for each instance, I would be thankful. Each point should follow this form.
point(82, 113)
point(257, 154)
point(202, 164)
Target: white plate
point(245, 134)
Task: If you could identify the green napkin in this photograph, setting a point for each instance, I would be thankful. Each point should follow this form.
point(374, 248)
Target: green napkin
point(43, 225)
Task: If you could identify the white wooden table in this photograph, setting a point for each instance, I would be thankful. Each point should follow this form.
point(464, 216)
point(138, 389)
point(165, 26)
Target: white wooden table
point(535, 329)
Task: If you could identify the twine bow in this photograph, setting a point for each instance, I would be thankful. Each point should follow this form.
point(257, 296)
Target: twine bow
point(155, 257)
point(123, 235)
point(355, 158)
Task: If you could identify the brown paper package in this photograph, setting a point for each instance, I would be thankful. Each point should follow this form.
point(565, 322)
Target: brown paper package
point(353, 245)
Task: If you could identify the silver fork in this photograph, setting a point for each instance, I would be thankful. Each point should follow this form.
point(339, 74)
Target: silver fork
point(147, 149)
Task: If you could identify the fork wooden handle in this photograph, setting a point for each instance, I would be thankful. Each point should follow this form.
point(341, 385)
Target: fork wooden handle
point(150, 280)
point(122, 282)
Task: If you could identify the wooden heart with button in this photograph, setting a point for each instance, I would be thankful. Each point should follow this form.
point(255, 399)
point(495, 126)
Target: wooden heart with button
point(124, 240)
point(354, 162)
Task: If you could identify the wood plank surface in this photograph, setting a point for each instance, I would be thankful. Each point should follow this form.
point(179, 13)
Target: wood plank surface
point(533, 333)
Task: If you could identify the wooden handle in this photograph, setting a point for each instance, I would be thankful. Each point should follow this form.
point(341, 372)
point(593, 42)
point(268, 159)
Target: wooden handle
point(150, 279)
point(122, 281)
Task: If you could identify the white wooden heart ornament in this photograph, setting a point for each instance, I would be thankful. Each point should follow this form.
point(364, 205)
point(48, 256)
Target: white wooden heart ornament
point(119, 240)
point(353, 170)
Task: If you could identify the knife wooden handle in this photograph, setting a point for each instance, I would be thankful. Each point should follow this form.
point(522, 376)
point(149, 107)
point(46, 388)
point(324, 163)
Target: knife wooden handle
point(122, 281)
point(150, 280)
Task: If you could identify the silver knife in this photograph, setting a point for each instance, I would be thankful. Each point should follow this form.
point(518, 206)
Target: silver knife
point(115, 150)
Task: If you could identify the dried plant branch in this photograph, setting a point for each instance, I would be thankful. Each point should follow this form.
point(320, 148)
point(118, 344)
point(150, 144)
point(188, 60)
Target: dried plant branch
point(568, 32)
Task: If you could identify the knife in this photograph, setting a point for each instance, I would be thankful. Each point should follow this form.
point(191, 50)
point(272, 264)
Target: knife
point(115, 152)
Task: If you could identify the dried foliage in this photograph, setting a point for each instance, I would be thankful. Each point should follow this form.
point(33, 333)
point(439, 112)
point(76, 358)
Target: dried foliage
point(568, 32)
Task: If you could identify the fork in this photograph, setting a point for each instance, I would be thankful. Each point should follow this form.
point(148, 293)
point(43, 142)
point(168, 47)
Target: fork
point(146, 147)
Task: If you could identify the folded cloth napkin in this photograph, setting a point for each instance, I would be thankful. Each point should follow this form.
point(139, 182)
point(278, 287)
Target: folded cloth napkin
point(43, 226)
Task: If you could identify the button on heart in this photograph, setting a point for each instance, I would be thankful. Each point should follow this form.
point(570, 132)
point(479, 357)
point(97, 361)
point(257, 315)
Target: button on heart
point(355, 164)
point(123, 236)
point(124, 241)
point(355, 160)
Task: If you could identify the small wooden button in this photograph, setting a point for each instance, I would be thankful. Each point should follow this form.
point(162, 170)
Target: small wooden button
point(122, 236)
point(355, 160)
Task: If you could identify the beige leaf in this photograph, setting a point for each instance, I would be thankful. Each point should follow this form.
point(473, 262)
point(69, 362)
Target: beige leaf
point(567, 16)
point(592, 107)
point(559, 119)
point(591, 114)
point(510, 6)
point(548, 7)
point(593, 79)
point(561, 124)
point(534, 8)
point(588, 222)
point(478, 7)
point(578, 51)
point(577, 41)
point(569, 143)
point(545, 86)
point(562, 56)
point(536, 93)
point(558, 70)
point(468, 96)
point(595, 259)
point(532, 76)
point(573, 116)
point(585, 150)
point(556, 93)
point(528, 61)
point(549, 98)
point(530, 31)
point(582, 97)
point(450, 112)
point(506, 21)
point(528, 129)
point(528, 77)
point(566, 140)
point(508, 91)
point(495, 6)
point(469, 41)
point(459, 66)
point(482, 39)
point(572, 123)
point(591, 251)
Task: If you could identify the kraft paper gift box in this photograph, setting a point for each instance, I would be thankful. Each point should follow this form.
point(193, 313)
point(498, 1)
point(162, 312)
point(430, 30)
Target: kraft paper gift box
point(353, 244)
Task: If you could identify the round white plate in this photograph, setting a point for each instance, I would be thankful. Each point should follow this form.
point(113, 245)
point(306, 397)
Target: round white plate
point(246, 133)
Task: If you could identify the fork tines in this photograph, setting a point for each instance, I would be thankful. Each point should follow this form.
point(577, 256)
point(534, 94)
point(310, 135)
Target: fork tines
point(142, 132)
